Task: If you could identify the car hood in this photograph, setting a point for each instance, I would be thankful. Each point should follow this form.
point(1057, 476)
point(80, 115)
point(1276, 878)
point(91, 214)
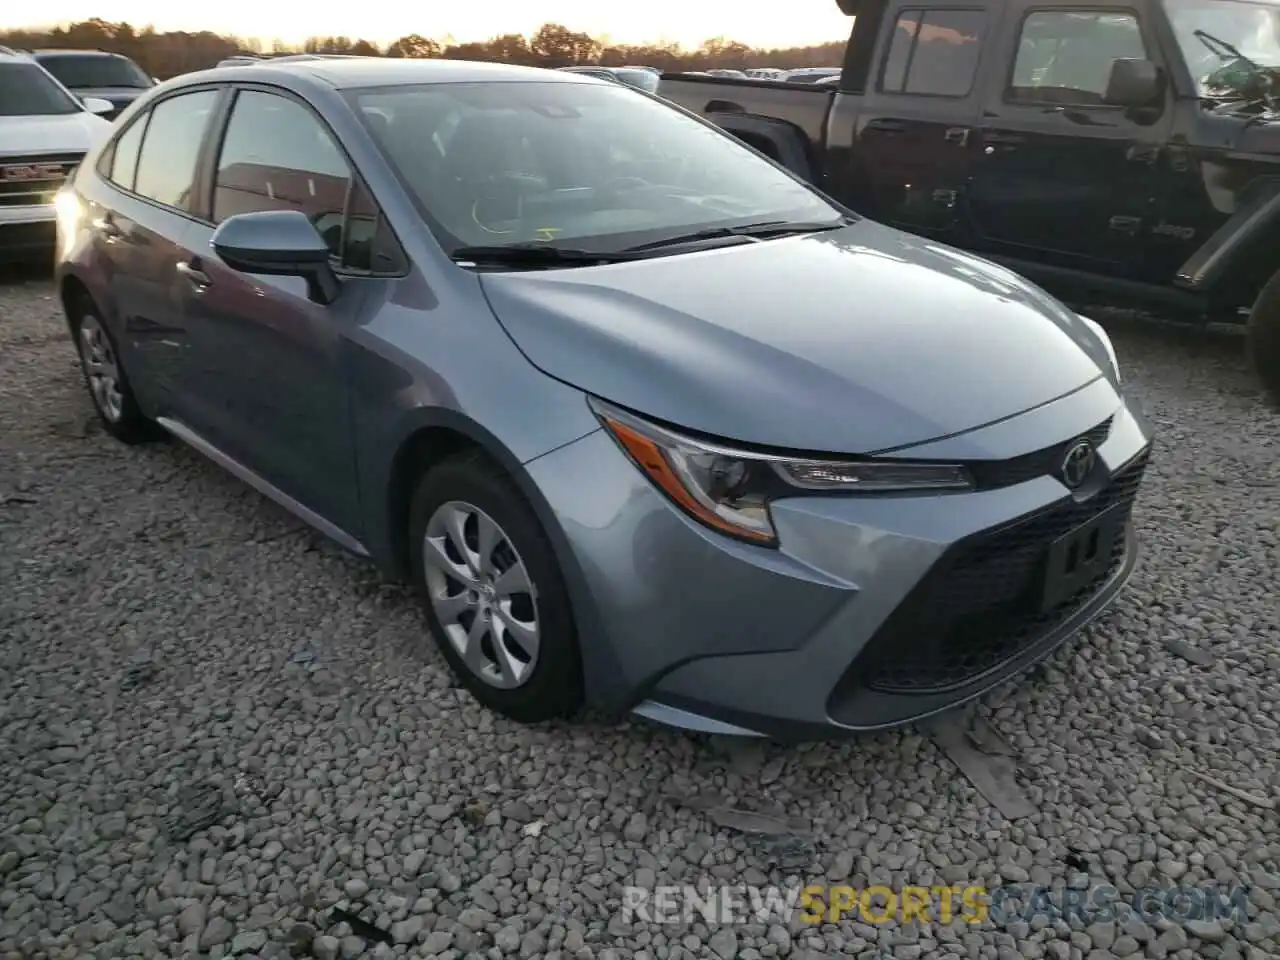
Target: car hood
point(859, 340)
point(66, 133)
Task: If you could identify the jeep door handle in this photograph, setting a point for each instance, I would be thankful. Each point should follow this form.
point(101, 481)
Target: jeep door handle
point(957, 135)
point(198, 279)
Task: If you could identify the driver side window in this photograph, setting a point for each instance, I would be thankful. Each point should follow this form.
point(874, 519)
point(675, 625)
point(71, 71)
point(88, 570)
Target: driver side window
point(277, 156)
point(1065, 57)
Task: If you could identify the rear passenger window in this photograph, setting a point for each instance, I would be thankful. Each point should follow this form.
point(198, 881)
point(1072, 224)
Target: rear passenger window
point(1066, 56)
point(933, 53)
point(166, 170)
point(124, 157)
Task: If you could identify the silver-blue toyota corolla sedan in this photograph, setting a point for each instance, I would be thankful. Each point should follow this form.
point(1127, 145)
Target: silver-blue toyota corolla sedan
point(652, 425)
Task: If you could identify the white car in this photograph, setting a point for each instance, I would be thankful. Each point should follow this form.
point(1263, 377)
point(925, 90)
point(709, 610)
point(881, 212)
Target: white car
point(45, 131)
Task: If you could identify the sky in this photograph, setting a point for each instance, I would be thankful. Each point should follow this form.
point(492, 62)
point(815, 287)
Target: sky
point(759, 23)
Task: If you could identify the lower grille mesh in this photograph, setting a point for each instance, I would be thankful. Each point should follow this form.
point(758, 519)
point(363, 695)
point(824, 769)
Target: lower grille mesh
point(978, 608)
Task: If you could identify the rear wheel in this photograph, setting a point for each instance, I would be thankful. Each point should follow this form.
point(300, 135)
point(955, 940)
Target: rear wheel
point(1264, 337)
point(104, 375)
point(492, 591)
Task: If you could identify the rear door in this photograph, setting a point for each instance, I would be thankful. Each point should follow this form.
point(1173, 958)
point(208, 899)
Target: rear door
point(1062, 178)
point(914, 133)
point(143, 228)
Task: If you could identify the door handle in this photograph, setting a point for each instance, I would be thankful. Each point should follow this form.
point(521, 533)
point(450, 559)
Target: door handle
point(957, 135)
point(885, 125)
point(197, 277)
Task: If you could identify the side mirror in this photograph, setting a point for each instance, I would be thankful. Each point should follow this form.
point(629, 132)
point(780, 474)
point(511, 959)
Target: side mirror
point(1134, 83)
point(98, 106)
point(278, 243)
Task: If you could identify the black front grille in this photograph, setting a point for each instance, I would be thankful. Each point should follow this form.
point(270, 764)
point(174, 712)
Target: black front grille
point(32, 181)
point(979, 606)
point(993, 474)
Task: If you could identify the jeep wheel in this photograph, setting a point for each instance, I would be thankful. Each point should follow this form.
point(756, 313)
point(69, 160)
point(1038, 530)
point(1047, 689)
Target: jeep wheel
point(1264, 337)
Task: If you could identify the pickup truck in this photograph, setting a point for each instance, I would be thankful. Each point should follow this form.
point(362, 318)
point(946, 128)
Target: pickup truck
point(1116, 153)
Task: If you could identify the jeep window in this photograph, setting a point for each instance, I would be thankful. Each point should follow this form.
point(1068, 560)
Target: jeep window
point(27, 91)
point(1065, 56)
point(597, 165)
point(86, 71)
point(933, 53)
point(167, 164)
point(1231, 47)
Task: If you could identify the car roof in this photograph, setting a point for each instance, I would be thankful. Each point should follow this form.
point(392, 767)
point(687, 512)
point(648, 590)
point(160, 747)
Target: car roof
point(344, 73)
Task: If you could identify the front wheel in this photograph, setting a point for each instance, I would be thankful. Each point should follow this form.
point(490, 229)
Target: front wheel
point(1264, 337)
point(492, 591)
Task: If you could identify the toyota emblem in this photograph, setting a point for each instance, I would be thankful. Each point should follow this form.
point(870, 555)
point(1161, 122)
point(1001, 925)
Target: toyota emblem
point(1078, 463)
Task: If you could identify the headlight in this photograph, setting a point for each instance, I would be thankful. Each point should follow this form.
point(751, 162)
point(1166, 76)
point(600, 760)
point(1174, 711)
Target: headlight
point(730, 490)
point(1104, 340)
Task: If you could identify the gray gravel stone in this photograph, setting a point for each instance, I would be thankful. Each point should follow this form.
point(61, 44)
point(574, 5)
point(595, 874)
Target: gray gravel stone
point(295, 743)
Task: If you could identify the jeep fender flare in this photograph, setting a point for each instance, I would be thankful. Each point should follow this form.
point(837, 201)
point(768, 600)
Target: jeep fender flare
point(1242, 250)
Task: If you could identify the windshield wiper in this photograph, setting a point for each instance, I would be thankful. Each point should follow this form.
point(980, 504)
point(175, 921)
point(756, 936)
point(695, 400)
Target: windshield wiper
point(758, 231)
point(1209, 40)
point(532, 255)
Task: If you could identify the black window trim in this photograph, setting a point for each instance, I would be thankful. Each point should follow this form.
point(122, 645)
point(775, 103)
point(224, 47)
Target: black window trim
point(144, 116)
point(1007, 86)
point(906, 73)
point(213, 153)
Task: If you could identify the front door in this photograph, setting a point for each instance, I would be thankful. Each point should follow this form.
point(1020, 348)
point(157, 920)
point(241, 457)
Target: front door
point(272, 388)
point(1061, 178)
point(914, 129)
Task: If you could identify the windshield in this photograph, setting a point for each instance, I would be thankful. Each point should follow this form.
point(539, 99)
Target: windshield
point(84, 72)
point(583, 165)
point(27, 91)
point(1229, 45)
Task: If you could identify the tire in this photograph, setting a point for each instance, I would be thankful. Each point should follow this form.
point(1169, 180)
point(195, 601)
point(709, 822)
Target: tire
point(1264, 337)
point(106, 381)
point(489, 660)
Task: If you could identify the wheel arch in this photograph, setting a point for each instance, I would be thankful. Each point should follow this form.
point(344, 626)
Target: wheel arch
point(430, 436)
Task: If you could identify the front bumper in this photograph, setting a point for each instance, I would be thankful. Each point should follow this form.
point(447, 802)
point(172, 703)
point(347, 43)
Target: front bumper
point(27, 230)
point(874, 611)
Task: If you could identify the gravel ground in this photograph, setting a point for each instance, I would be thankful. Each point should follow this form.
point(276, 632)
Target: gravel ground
point(214, 727)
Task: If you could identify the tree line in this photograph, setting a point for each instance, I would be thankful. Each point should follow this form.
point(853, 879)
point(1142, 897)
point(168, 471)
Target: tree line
point(170, 53)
